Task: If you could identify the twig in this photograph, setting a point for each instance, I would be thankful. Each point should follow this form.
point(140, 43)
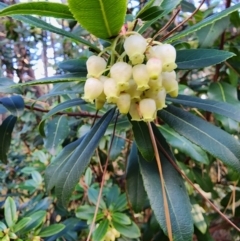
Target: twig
point(102, 183)
point(173, 30)
point(165, 202)
point(198, 190)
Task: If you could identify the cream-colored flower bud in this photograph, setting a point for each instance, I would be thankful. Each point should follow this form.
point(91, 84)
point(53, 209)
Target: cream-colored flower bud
point(122, 73)
point(169, 81)
point(109, 236)
point(141, 77)
point(167, 54)
point(156, 84)
point(174, 93)
point(95, 66)
point(123, 103)
point(111, 90)
point(135, 46)
point(132, 90)
point(148, 109)
point(116, 233)
point(92, 89)
point(134, 112)
point(160, 99)
point(154, 67)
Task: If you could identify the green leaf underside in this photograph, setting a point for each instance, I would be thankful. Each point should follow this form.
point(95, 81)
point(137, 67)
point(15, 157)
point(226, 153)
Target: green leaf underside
point(209, 137)
point(48, 9)
point(14, 104)
point(143, 139)
point(135, 189)
point(209, 20)
point(214, 106)
point(167, 7)
point(63, 106)
point(184, 145)
point(178, 201)
point(57, 131)
point(103, 18)
point(5, 138)
point(200, 58)
point(46, 26)
point(72, 169)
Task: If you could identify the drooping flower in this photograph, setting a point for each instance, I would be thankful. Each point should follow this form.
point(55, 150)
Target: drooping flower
point(95, 66)
point(92, 89)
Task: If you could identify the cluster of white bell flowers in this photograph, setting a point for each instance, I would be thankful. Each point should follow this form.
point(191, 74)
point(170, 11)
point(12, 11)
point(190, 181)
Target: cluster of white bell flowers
point(137, 87)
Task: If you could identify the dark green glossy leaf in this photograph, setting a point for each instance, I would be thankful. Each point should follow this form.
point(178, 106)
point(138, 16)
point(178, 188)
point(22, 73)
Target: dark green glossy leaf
point(63, 106)
point(187, 6)
point(5, 138)
point(135, 189)
point(178, 200)
point(53, 169)
point(101, 230)
point(207, 21)
point(46, 26)
point(200, 58)
point(48, 9)
point(21, 224)
point(129, 231)
point(56, 131)
point(72, 169)
point(184, 145)
point(51, 230)
point(10, 212)
point(150, 13)
point(103, 18)
point(209, 137)
point(73, 65)
point(143, 139)
point(217, 106)
point(14, 104)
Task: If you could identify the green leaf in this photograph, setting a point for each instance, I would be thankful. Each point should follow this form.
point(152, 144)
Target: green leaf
point(56, 131)
point(121, 218)
point(73, 65)
point(210, 138)
point(143, 139)
point(93, 197)
point(37, 218)
point(46, 26)
point(129, 231)
point(121, 204)
point(215, 106)
point(63, 106)
point(10, 212)
point(209, 34)
point(207, 21)
point(48, 9)
point(167, 7)
point(14, 104)
point(117, 145)
point(4, 86)
point(184, 145)
point(178, 200)
point(51, 230)
point(200, 58)
point(135, 189)
point(21, 224)
point(85, 212)
point(5, 138)
point(150, 13)
point(72, 169)
point(103, 18)
point(56, 165)
point(2, 226)
point(101, 230)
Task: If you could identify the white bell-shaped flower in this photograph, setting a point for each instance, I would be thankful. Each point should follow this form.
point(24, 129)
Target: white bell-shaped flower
point(160, 99)
point(148, 109)
point(92, 89)
point(111, 90)
point(169, 81)
point(123, 103)
point(95, 66)
point(134, 112)
point(132, 90)
point(156, 84)
point(167, 54)
point(121, 72)
point(141, 77)
point(135, 46)
point(154, 67)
